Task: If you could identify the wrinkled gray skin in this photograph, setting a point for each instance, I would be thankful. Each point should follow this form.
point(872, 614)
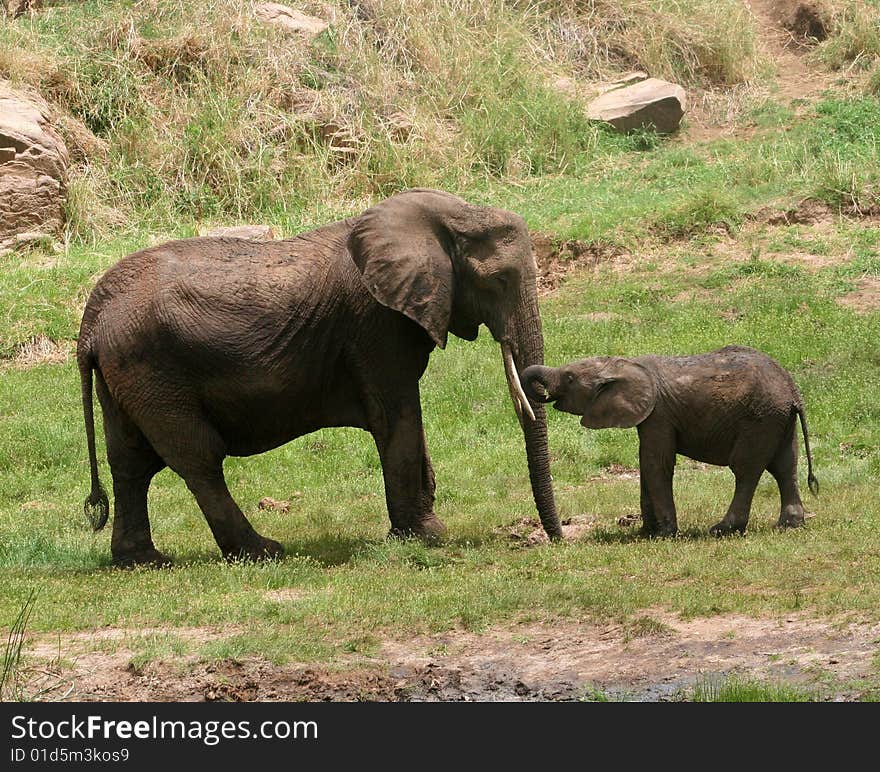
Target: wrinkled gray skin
point(733, 407)
point(211, 347)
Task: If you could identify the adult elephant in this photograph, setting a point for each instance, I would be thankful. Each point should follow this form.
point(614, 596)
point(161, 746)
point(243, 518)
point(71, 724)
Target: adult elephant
point(213, 347)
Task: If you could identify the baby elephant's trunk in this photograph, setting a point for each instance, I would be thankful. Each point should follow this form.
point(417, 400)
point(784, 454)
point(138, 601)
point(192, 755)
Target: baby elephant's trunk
point(538, 383)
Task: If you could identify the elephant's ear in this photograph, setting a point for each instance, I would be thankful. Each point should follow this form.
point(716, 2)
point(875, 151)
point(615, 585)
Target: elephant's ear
point(403, 250)
point(624, 396)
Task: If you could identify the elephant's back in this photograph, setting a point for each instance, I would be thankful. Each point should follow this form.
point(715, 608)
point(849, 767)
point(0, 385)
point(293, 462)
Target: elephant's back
point(758, 375)
point(732, 384)
point(208, 286)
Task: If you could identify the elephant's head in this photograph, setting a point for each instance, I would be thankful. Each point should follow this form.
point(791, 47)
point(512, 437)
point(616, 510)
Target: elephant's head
point(450, 267)
point(607, 391)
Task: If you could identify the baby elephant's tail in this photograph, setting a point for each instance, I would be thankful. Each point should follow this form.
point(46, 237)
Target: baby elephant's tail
point(811, 478)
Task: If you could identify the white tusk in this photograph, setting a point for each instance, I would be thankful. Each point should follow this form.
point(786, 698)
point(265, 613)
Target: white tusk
point(520, 400)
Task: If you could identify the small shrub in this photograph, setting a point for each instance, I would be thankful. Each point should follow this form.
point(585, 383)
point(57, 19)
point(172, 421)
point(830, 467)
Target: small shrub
point(735, 689)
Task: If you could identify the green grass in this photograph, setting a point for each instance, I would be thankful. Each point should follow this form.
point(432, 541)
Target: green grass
point(736, 689)
point(674, 191)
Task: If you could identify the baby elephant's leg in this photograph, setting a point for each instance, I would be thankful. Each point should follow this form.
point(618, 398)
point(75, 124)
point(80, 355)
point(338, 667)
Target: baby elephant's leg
point(784, 468)
point(752, 452)
point(737, 517)
point(656, 467)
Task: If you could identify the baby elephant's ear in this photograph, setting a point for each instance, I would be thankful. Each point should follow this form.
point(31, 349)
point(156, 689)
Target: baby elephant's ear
point(625, 396)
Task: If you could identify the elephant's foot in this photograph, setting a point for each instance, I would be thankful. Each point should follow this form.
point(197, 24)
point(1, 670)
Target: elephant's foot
point(655, 530)
point(430, 530)
point(726, 528)
point(149, 556)
point(255, 549)
point(791, 517)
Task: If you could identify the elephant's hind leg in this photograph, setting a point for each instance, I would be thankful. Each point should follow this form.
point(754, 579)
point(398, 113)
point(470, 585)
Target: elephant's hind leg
point(784, 468)
point(192, 447)
point(233, 533)
point(133, 464)
point(749, 458)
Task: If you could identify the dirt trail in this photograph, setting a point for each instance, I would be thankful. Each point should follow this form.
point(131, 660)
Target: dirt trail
point(655, 657)
point(795, 78)
point(715, 114)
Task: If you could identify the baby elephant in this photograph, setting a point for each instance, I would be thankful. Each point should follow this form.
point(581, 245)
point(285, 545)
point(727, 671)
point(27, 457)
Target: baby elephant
point(733, 407)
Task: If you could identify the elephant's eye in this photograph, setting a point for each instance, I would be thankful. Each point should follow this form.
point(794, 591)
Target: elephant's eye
point(570, 378)
point(506, 279)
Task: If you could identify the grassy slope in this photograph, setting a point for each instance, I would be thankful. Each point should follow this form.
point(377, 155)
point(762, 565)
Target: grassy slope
point(221, 116)
point(350, 584)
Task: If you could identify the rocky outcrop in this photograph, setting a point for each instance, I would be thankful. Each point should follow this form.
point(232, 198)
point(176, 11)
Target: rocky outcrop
point(651, 103)
point(289, 19)
point(33, 170)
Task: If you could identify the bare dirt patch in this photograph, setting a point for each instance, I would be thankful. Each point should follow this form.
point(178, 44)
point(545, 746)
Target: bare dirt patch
point(865, 299)
point(618, 472)
point(528, 531)
point(780, 26)
point(653, 657)
point(807, 21)
point(808, 211)
point(108, 639)
point(556, 259)
point(786, 30)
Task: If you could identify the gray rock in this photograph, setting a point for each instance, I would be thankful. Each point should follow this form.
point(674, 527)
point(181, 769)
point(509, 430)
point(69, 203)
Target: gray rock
point(289, 19)
point(33, 170)
point(650, 103)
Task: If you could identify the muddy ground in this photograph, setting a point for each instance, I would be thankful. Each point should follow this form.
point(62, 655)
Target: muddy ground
point(657, 657)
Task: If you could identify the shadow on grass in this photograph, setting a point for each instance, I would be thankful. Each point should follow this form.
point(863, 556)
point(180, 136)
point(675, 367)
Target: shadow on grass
point(612, 536)
point(329, 550)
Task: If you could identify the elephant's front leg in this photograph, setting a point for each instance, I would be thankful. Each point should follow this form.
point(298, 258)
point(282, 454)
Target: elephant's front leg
point(407, 470)
point(649, 519)
point(656, 468)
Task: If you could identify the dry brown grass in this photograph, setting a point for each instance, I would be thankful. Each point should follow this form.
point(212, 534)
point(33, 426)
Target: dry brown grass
point(214, 115)
point(40, 350)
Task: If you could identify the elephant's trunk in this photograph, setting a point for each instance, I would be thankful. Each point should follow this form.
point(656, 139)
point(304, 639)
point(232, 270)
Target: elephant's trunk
point(537, 383)
point(526, 347)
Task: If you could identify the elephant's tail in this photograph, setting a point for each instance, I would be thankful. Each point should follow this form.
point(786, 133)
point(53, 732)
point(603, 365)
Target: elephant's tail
point(96, 506)
point(811, 478)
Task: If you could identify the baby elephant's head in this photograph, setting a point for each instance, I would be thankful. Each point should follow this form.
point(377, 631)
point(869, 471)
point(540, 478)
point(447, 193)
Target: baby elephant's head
point(606, 391)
